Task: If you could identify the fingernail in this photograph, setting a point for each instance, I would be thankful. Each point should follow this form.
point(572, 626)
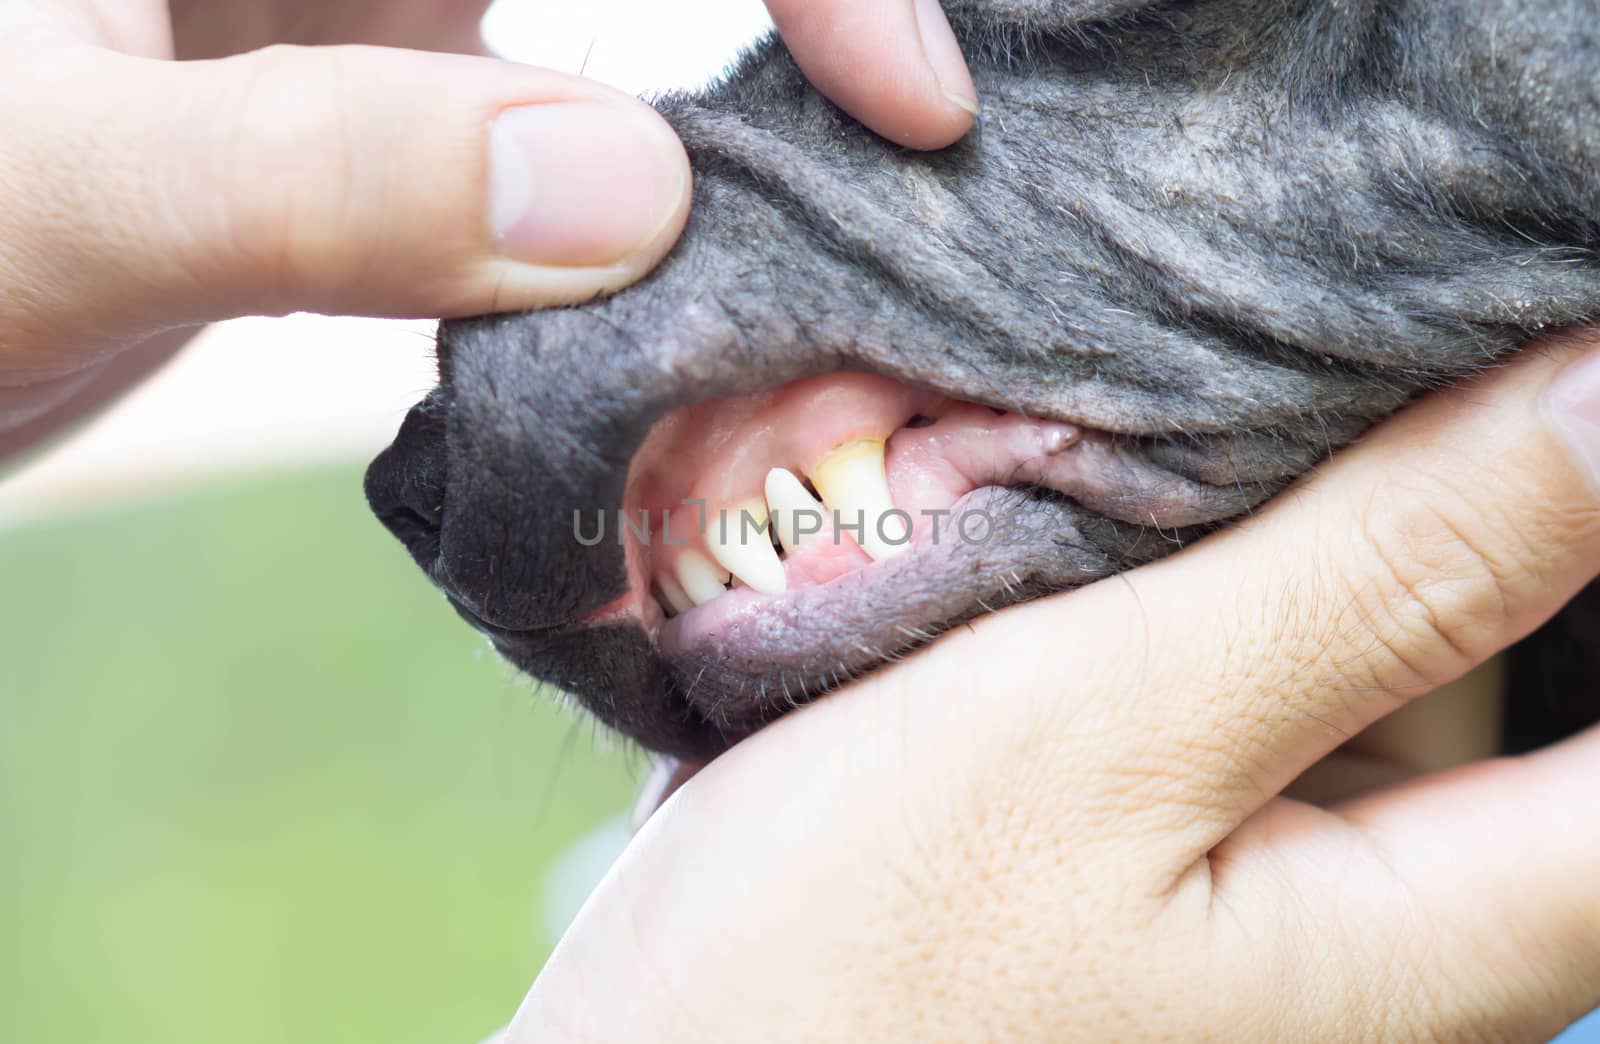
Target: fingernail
point(666, 776)
point(1573, 405)
point(944, 55)
point(582, 184)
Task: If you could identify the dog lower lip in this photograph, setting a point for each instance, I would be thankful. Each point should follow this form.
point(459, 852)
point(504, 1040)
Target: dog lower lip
point(494, 632)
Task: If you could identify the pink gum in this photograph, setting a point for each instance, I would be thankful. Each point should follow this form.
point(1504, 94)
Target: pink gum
point(720, 451)
point(970, 447)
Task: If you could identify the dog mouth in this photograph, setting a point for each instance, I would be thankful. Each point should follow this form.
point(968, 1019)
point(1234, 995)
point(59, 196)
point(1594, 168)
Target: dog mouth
point(779, 544)
point(785, 493)
point(692, 572)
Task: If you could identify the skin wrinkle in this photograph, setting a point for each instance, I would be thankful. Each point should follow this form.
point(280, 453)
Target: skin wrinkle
point(1309, 970)
point(1280, 656)
point(1233, 234)
point(1406, 603)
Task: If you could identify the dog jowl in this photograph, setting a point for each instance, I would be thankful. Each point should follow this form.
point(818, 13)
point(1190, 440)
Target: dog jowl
point(1191, 249)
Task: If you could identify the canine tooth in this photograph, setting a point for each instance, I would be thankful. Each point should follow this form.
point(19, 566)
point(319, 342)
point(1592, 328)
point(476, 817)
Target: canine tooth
point(702, 580)
point(853, 482)
point(678, 599)
point(739, 542)
point(793, 509)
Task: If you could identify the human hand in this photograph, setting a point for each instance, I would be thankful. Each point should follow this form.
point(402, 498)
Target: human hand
point(140, 195)
point(1066, 822)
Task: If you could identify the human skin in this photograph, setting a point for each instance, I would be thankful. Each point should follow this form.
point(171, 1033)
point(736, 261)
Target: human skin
point(124, 223)
point(144, 197)
point(987, 843)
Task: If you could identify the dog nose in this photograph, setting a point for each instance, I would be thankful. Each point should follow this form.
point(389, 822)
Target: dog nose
point(405, 484)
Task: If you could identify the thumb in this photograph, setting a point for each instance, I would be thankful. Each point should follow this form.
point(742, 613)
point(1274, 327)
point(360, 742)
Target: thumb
point(341, 179)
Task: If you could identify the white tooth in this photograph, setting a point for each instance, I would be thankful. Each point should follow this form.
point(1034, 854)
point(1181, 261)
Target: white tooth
point(678, 599)
point(739, 542)
point(701, 579)
point(852, 481)
point(795, 509)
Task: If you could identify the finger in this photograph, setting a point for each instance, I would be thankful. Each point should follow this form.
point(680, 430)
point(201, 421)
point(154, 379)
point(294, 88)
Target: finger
point(1453, 531)
point(140, 27)
point(666, 777)
point(28, 420)
point(208, 29)
point(677, 927)
point(1186, 694)
point(1499, 860)
point(894, 65)
point(349, 180)
point(1453, 725)
point(132, 26)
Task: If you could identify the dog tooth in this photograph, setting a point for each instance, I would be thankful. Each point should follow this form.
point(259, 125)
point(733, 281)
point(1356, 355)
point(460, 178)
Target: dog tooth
point(703, 581)
point(738, 540)
point(678, 599)
point(853, 482)
point(793, 507)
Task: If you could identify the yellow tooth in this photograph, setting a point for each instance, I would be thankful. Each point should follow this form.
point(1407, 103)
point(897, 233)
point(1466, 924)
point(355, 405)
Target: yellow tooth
point(853, 483)
point(794, 509)
point(678, 599)
point(702, 580)
point(738, 540)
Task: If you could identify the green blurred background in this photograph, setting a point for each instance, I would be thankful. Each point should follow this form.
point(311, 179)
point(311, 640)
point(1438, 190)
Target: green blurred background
point(258, 783)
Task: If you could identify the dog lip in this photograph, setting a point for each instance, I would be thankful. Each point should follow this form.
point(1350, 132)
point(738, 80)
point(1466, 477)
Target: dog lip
point(493, 631)
point(501, 633)
point(765, 627)
point(777, 637)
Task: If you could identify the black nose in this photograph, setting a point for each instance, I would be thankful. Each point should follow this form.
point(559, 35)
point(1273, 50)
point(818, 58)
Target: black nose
point(405, 484)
